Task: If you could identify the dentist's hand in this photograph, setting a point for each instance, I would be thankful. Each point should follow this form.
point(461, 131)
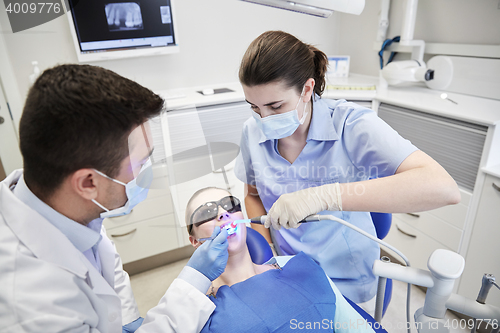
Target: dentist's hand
point(210, 258)
point(293, 207)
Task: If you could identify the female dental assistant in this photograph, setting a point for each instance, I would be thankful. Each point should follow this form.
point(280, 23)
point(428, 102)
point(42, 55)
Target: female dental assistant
point(303, 155)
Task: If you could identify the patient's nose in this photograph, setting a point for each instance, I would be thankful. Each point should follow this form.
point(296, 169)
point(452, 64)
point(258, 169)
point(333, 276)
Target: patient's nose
point(224, 216)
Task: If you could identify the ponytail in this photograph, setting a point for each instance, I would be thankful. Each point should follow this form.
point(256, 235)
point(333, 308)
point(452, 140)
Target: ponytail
point(320, 68)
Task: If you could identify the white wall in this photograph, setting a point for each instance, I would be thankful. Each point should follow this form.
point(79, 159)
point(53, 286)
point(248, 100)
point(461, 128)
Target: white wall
point(213, 36)
point(438, 21)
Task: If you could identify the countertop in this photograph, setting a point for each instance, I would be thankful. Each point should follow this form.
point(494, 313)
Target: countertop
point(357, 87)
point(186, 97)
point(493, 170)
point(478, 110)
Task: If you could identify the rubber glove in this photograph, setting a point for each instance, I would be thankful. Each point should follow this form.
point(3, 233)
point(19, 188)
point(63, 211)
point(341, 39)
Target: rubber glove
point(210, 258)
point(133, 326)
point(293, 207)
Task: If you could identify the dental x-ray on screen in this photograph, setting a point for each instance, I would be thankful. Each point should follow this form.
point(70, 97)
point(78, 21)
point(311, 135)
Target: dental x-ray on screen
point(104, 30)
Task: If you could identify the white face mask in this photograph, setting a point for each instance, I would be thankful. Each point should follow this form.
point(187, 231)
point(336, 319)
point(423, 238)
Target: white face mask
point(136, 191)
point(279, 126)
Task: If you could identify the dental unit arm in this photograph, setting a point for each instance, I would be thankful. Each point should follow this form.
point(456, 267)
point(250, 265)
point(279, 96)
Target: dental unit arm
point(445, 267)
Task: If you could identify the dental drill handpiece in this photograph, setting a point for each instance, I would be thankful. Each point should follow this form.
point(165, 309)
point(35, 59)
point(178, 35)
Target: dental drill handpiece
point(231, 228)
point(487, 282)
point(262, 219)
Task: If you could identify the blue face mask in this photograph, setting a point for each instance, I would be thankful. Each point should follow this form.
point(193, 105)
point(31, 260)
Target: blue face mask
point(136, 190)
point(279, 126)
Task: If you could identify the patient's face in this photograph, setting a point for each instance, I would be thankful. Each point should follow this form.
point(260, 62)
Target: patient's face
point(237, 241)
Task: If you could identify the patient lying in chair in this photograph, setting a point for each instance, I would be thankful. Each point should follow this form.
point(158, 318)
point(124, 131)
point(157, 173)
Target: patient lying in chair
point(292, 293)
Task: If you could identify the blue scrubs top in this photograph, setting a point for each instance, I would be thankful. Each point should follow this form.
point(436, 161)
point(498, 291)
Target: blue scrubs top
point(346, 143)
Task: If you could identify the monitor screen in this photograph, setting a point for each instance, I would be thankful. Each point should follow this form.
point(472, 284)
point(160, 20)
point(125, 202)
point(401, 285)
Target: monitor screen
point(110, 29)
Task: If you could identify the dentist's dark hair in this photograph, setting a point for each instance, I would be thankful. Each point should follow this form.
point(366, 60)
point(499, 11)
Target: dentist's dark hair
point(277, 56)
point(79, 116)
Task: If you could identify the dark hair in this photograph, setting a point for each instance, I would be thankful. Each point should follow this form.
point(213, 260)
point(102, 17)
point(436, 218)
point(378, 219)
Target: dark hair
point(190, 212)
point(80, 116)
point(278, 56)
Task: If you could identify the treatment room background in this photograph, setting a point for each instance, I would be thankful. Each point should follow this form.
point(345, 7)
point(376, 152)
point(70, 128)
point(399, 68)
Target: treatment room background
point(213, 35)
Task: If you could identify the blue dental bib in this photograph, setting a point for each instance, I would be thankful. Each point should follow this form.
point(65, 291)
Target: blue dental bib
point(297, 296)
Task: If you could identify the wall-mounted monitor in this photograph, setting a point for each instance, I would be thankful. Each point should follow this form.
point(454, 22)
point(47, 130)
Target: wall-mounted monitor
point(111, 29)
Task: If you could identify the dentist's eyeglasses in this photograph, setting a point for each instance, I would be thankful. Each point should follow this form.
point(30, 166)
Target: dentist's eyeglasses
point(209, 210)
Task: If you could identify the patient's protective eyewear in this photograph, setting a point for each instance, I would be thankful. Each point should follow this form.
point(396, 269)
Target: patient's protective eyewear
point(209, 210)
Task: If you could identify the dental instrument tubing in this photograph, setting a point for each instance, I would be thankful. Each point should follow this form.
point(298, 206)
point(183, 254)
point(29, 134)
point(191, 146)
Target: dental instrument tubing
point(317, 218)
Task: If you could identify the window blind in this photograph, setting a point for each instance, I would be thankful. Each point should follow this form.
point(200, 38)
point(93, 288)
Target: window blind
point(456, 145)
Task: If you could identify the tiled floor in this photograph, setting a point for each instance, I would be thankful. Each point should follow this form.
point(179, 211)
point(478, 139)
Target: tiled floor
point(150, 286)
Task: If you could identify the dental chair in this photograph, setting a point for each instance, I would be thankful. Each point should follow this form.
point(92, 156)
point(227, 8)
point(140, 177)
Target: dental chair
point(259, 249)
point(261, 252)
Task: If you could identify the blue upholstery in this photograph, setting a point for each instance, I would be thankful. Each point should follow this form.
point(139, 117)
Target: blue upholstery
point(259, 249)
point(273, 301)
point(387, 295)
point(376, 326)
point(382, 222)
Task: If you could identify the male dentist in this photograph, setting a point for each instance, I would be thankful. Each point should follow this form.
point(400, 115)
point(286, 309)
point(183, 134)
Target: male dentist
point(86, 146)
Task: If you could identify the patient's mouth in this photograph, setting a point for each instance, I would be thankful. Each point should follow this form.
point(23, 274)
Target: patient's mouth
point(231, 229)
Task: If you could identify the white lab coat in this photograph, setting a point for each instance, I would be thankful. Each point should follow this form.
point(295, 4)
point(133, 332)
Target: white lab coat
point(47, 285)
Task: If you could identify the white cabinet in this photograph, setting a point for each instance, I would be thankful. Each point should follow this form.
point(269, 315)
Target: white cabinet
point(150, 228)
point(417, 235)
point(457, 145)
point(157, 225)
point(483, 254)
point(200, 141)
point(145, 238)
point(465, 146)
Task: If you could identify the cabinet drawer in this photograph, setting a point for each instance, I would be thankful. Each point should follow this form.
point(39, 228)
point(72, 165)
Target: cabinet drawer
point(434, 227)
point(144, 239)
point(454, 214)
point(148, 209)
point(417, 249)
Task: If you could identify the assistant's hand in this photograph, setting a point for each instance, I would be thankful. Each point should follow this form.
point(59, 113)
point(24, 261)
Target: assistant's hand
point(210, 258)
point(293, 207)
